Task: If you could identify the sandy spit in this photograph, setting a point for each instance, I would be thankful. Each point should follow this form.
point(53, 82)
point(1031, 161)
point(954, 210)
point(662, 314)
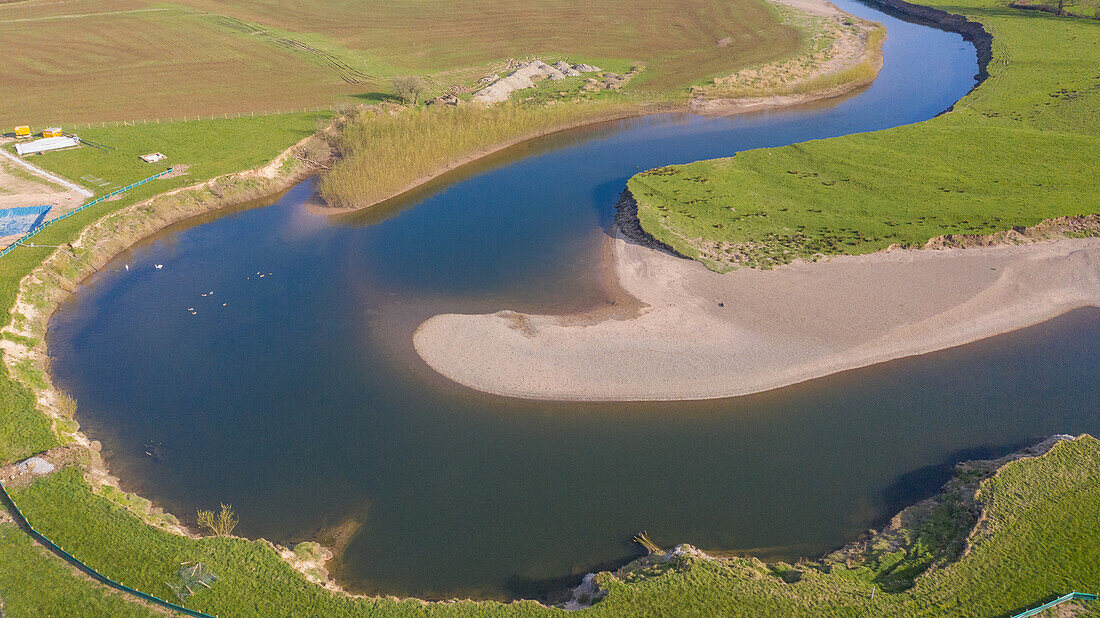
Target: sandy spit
point(702, 335)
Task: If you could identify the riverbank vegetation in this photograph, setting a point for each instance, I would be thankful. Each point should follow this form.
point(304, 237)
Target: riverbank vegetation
point(385, 150)
point(837, 51)
point(1027, 547)
point(995, 542)
point(1017, 150)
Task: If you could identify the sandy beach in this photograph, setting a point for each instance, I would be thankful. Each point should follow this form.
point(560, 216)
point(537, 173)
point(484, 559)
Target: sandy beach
point(699, 335)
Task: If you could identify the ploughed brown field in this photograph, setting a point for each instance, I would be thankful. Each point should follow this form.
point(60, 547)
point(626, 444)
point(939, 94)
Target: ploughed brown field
point(97, 60)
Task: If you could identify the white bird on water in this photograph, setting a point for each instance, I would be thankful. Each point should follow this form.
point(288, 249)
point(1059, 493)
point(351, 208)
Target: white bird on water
point(157, 266)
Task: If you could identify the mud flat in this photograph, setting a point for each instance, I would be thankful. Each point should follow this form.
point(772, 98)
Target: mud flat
point(701, 335)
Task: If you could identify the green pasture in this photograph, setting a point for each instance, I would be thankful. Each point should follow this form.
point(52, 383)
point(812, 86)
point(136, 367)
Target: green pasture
point(1019, 149)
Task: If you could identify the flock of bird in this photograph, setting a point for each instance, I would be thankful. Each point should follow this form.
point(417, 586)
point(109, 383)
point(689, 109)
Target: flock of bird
point(192, 310)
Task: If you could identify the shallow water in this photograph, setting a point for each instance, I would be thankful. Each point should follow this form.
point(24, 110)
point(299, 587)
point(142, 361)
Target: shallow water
point(301, 402)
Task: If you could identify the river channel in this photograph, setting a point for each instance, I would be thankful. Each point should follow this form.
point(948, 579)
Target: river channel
point(268, 364)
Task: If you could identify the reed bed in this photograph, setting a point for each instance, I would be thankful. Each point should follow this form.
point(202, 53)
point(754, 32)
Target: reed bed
point(383, 153)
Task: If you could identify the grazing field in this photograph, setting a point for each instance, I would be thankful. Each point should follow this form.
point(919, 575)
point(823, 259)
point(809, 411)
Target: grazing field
point(1076, 8)
point(1019, 149)
point(208, 147)
point(131, 59)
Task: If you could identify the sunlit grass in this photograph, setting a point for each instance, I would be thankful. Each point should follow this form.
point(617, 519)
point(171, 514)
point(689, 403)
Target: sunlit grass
point(384, 152)
point(1019, 149)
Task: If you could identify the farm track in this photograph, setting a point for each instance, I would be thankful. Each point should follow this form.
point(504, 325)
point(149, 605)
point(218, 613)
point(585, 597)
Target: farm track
point(345, 71)
point(80, 15)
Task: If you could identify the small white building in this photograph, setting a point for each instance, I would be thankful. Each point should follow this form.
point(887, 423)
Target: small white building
point(46, 143)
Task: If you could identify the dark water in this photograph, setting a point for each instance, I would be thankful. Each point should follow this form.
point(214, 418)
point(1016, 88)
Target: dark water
point(301, 402)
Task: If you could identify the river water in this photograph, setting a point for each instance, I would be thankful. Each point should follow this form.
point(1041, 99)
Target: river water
point(269, 365)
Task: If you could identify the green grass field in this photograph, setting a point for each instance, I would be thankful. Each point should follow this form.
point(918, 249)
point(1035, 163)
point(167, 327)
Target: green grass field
point(1076, 8)
point(136, 59)
point(208, 147)
point(1021, 148)
point(59, 589)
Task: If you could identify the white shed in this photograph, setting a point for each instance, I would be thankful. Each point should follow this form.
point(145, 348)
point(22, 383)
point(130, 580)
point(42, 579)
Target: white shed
point(46, 143)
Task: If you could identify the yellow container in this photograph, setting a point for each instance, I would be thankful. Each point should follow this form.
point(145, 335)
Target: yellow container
point(22, 131)
point(52, 132)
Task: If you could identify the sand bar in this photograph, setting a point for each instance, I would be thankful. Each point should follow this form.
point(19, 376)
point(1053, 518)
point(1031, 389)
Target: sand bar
point(773, 328)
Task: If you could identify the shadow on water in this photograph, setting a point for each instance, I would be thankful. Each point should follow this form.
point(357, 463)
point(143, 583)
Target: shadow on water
point(554, 590)
point(926, 481)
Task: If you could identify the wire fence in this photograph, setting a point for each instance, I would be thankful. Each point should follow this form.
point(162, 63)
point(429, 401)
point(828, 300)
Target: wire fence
point(41, 226)
point(171, 120)
point(23, 523)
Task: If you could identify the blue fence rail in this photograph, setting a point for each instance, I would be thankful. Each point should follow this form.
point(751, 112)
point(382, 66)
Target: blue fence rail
point(21, 520)
point(1073, 596)
point(41, 226)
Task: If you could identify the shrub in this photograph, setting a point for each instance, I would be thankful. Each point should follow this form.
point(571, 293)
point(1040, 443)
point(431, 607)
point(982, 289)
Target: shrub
point(222, 523)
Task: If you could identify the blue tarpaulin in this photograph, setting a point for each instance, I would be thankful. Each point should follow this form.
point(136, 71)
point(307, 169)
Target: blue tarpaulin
point(21, 220)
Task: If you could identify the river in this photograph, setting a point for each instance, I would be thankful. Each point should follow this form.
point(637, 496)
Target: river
point(269, 365)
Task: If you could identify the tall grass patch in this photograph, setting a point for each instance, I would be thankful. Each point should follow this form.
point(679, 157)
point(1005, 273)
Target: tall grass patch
point(384, 152)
